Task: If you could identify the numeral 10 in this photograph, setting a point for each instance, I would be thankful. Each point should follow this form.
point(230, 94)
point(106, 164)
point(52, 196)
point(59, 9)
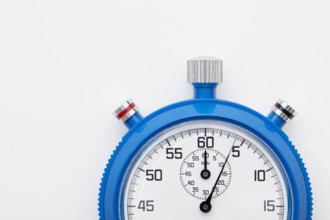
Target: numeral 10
point(260, 175)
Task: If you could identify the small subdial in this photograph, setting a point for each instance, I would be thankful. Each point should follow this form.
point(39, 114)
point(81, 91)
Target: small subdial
point(198, 173)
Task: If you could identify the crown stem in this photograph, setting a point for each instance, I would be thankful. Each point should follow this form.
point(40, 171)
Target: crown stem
point(203, 91)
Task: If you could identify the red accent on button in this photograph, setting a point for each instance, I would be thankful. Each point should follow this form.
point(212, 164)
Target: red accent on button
point(125, 111)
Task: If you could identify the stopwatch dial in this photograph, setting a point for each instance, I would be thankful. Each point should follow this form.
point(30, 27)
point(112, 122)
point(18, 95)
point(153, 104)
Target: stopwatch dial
point(199, 170)
point(205, 170)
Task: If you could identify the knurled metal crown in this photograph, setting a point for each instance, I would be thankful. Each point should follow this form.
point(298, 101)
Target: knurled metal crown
point(204, 70)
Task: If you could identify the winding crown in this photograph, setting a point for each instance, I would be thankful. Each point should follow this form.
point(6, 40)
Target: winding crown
point(204, 70)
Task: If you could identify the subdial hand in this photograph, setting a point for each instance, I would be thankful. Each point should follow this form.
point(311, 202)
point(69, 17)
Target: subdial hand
point(206, 205)
point(205, 174)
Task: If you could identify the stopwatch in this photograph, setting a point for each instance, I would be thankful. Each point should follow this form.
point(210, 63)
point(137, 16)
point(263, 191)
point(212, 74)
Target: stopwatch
point(205, 159)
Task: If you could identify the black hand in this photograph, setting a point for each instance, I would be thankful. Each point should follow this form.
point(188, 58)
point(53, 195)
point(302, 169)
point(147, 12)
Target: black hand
point(205, 160)
point(206, 205)
point(205, 174)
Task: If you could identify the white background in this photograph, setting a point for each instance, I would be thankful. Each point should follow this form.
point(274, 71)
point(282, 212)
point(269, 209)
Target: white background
point(65, 65)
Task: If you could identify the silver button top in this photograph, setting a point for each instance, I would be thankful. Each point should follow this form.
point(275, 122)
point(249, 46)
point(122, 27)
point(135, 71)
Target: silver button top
point(125, 111)
point(283, 110)
point(204, 70)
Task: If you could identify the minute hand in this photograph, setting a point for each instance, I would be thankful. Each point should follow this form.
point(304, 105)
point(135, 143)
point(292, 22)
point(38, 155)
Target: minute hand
point(206, 205)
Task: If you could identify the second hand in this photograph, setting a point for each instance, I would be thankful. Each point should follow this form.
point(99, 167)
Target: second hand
point(206, 205)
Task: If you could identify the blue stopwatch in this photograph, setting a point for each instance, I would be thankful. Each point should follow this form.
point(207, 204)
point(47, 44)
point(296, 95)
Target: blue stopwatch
point(205, 159)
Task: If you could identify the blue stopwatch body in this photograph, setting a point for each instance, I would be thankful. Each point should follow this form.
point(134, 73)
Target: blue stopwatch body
point(204, 107)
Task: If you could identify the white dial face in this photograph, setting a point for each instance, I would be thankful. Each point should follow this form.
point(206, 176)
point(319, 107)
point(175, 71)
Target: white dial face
point(205, 170)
